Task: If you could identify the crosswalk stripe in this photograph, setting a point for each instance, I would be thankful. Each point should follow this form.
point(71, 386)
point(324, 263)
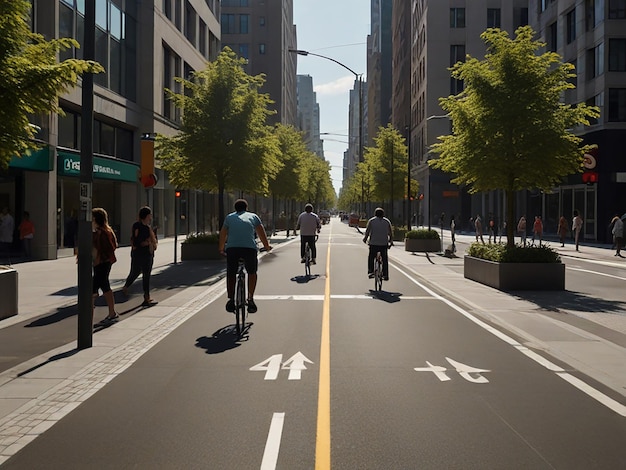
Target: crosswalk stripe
point(342, 297)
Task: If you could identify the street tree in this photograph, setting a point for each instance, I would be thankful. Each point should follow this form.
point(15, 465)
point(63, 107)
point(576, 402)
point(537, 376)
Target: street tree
point(31, 79)
point(510, 129)
point(224, 142)
point(388, 160)
point(318, 188)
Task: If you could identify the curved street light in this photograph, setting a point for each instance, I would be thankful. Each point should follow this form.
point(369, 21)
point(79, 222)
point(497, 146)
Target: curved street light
point(358, 77)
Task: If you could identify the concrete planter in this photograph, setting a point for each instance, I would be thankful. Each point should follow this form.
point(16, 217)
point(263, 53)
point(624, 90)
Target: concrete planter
point(8, 292)
point(515, 276)
point(195, 251)
point(422, 245)
point(362, 223)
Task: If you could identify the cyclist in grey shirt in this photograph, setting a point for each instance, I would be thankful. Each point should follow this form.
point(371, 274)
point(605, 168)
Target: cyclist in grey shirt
point(309, 225)
point(380, 235)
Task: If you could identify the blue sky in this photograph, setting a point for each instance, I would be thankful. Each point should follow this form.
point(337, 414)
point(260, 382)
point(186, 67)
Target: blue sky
point(337, 29)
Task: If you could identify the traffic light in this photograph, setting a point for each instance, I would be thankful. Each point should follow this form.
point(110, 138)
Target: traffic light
point(148, 176)
point(177, 193)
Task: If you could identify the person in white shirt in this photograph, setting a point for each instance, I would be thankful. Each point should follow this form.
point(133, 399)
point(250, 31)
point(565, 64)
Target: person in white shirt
point(309, 225)
point(380, 235)
point(7, 227)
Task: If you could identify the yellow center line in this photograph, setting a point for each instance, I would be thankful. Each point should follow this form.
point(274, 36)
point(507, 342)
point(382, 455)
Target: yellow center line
point(322, 443)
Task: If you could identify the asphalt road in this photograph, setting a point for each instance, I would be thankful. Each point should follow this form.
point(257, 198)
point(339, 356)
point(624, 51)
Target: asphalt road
point(334, 374)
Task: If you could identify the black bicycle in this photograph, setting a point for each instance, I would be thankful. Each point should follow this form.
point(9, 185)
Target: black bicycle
point(378, 272)
point(307, 258)
point(240, 298)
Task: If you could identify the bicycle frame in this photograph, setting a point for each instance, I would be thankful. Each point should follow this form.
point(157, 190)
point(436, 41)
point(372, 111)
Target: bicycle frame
point(240, 297)
point(378, 272)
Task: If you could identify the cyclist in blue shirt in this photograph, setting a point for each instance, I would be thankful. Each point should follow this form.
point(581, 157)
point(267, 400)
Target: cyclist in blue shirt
point(238, 240)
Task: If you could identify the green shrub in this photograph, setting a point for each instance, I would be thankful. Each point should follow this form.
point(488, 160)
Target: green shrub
point(499, 252)
point(422, 234)
point(202, 237)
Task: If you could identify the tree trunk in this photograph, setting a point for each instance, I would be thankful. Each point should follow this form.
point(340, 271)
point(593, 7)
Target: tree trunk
point(220, 203)
point(511, 223)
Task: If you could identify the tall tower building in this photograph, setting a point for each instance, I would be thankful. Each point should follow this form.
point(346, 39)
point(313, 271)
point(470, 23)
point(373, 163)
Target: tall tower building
point(443, 33)
point(591, 36)
point(263, 32)
point(309, 115)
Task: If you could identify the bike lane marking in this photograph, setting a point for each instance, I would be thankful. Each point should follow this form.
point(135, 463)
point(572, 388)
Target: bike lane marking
point(272, 445)
point(587, 389)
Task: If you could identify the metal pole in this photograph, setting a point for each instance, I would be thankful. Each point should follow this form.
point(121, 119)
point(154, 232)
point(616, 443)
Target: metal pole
point(408, 179)
point(85, 300)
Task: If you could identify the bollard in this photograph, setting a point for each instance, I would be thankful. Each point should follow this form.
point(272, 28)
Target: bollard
point(8, 292)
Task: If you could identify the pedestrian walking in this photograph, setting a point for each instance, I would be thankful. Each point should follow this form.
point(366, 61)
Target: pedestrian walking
point(478, 226)
point(577, 225)
point(7, 227)
point(143, 245)
point(104, 244)
point(492, 229)
point(537, 229)
point(521, 229)
point(452, 233)
point(618, 234)
point(27, 233)
point(563, 227)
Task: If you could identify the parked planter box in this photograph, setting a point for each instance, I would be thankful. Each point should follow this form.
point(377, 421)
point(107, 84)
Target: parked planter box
point(515, 276)
point(422, 245)
point(363, 223)
point(194, 251)
point(8, 292)
point(398, 235)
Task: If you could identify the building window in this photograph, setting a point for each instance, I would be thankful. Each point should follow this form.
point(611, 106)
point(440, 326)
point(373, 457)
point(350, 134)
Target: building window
point(228, 23)
point(617, 55)
point(617, 104)
point(598, 53)
point(244, 51)
point(457, 54)
point(594, 13)
point(202, 39)
point(457, 17)
point(244, 21)
point(546, 3)
point(617, 9)
point(493, 17)
point(571, 26)
point(190, 23)
point(261, 21)
point(598, 101)
point(552, 37)
point(261, 48)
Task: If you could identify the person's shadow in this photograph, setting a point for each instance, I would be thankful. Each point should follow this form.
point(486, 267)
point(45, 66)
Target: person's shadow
point(389, 297)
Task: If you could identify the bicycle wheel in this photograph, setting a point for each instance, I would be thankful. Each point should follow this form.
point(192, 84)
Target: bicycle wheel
point(240, 303)
point(378, 273)
point(307, 260)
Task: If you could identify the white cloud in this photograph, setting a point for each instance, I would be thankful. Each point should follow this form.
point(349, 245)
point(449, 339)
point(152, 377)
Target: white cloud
point(337, 87)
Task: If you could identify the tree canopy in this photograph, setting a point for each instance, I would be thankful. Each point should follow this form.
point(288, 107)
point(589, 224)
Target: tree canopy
point(510, 128)
point(31, 79)
point(224, 142)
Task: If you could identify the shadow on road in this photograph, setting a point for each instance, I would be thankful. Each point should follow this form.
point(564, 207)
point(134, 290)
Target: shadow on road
point(223, 339)
point(569, 300)
point(304, 279)
point(389, 297)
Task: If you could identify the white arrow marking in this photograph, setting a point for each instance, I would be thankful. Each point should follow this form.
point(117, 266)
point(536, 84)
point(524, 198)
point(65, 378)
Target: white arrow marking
point(295, 364)
point(271, 366)
point(439, 371)
point(465, 371)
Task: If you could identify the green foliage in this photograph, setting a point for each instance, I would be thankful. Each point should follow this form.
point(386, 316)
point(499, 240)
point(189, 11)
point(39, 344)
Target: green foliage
point(202, 237)
point(502, 253)
point(422, 234)
point(290, 181)
point(224, 142)
point(30, 77)
point(387, 162)
point(510, 129)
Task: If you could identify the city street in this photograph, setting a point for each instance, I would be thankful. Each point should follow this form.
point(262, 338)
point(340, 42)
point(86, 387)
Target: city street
point(434, 372)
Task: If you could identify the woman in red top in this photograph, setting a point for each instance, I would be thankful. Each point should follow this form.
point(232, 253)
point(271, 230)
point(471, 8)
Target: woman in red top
point(103, 253)
point(27, 232)
point(537, 229)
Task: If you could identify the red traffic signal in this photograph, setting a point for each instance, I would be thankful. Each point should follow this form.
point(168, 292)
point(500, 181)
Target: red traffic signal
point(590, 177)
point(177, 194)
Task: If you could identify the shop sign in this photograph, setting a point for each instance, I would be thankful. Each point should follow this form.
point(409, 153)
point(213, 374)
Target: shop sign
point(104, 168)
point(36, 160)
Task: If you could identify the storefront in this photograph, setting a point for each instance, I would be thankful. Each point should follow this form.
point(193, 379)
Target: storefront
point(115, 188)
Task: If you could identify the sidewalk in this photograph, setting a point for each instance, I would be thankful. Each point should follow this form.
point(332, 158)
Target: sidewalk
point(38, 393)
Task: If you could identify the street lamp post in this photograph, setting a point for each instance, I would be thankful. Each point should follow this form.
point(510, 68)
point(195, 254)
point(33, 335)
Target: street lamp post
point(358, 77)
point(408, 179)
point(430, 118)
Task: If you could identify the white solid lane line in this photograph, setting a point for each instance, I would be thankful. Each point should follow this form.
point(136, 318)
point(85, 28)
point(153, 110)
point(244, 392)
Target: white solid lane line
point(272, 445)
